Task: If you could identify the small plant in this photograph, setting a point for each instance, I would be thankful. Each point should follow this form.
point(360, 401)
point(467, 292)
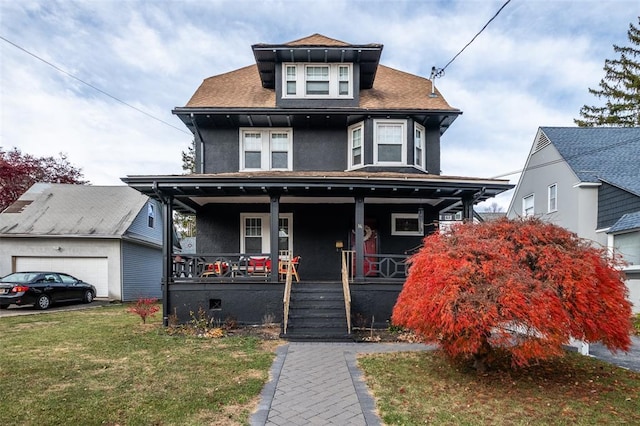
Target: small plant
point(145, 307)
point(268, 319)
point(394, 328)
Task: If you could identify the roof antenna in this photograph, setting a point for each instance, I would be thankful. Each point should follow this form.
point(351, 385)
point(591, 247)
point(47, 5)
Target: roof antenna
point(435, 73)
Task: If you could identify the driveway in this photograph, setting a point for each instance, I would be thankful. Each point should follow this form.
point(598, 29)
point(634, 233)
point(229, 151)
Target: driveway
point(14, 310)
point(629, 360)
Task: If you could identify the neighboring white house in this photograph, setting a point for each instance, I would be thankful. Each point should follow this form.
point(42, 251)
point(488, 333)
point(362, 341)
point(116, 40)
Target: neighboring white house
point(587, 179)
point(109, 236)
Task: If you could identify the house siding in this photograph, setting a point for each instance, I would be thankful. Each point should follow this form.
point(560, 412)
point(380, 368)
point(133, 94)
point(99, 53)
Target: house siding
point(141, 271)
point(140, 226)
point(614, 202)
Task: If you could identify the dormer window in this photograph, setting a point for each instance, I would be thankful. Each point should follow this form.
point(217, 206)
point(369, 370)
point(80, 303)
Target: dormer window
point(303, 80)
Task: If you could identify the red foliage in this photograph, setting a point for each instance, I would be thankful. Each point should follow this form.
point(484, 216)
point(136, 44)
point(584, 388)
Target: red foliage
point(144, 307)
point(525, 286)
point(19, 171)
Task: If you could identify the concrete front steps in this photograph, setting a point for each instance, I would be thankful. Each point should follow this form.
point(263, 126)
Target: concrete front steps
point(317, 313)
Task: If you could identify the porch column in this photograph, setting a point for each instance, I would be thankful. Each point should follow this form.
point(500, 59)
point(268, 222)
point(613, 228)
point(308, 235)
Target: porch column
point(167, 259)
point(359, 229)
point(275, 214)
point(467, 209)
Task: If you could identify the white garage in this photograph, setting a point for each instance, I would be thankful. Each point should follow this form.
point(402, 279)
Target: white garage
point(93, 270)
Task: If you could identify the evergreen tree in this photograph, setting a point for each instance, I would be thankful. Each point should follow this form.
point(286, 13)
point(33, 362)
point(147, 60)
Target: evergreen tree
point(620, 87)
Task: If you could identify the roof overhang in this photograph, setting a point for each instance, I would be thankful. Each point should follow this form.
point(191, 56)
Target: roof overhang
point(268, 55)
point(190, 192)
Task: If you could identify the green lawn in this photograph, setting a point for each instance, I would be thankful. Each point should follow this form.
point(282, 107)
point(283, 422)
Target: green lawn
point(103, 366)
point(421, 388)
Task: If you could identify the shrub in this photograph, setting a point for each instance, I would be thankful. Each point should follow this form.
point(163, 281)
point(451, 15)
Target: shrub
point(144, 307)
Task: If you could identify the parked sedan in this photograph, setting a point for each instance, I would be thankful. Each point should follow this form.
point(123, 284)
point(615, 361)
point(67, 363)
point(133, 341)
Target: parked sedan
point(42, 289)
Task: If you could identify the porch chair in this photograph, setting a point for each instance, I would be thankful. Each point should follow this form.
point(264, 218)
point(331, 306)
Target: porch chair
point(283, 265)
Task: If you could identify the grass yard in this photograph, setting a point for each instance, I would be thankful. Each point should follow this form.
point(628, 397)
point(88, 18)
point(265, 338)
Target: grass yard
point(103, 366)
point(421, 388)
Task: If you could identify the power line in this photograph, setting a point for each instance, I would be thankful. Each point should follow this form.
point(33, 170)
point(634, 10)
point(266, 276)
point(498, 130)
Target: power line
point(92, 86)
point(439, 72)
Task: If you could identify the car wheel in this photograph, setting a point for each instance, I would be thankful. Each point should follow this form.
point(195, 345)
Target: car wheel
point(88, 296)
point(4, 306)
point(43, 301)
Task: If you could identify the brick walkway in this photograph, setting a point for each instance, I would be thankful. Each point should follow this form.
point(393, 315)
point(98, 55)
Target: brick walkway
point(320, 384)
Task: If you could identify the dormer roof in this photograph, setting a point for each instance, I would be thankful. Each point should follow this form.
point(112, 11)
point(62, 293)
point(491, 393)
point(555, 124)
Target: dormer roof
point(317, 48)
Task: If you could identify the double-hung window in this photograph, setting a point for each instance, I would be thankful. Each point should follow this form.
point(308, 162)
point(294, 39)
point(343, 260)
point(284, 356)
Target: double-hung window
point(266, 149)
point(313, 80)
point(528, 205)
point(356, 154)
point(553, 198)
point(418, 143)
point(255, 232)
point(390, 140)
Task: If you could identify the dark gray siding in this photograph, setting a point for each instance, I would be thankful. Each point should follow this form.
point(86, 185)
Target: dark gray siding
point(614, 202)
point(221, 150)
point(141, 271)
point(316, 229)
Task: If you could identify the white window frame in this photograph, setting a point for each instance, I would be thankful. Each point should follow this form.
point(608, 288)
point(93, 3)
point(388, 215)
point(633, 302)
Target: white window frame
point(416, 216)
point(351, 130)
point(525, 207)
point(422, 156)
point(403, 144)
point(301, 80)
point(552, 204)
point(266, 229)
point(267, 149)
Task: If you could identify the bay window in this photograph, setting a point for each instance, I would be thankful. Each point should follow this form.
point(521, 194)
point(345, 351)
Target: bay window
point(418, 143)
point(355, 145)
point(390, 139)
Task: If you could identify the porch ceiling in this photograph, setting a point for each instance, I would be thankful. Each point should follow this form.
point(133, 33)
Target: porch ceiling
point(191, 191)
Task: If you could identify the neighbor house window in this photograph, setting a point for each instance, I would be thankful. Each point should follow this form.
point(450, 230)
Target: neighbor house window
point(553, 198)
point(406, 224)
point(355, 145)
point(527, 205)
point(256, 235)
point(390, 139)
point(302, 80)
point(151, 215)
point(266, 149)
point(418, 143)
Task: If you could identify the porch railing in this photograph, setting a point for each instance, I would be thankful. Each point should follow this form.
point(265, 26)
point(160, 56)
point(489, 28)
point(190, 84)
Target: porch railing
point(347, 259)
point(287, 296)
point(236, 265)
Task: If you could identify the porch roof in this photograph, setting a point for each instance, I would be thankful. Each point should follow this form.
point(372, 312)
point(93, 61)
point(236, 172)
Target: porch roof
point(191, 191)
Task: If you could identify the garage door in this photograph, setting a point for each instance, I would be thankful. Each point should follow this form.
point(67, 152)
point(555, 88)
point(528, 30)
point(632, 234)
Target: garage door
point(90, 269)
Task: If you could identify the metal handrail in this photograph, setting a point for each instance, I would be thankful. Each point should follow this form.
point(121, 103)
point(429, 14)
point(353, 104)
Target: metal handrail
point(345, 284)
point(287, 295)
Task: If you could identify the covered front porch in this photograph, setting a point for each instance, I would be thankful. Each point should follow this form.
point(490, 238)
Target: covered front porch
point(353, 230)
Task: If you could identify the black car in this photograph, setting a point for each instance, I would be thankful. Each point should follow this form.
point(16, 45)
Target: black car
point(42, 289)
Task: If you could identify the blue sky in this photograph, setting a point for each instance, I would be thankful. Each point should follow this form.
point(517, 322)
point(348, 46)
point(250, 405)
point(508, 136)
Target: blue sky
point(531, 67)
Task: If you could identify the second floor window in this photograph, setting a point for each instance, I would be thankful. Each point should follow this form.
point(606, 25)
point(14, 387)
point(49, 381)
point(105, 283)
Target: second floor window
point(390, 139)
point(418, 143)
point(266, 149)
point(553, 198)
point(355, 145)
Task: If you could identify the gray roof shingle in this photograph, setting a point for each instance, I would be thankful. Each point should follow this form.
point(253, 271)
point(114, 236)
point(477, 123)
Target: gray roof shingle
point(78, 210)
point(609, 154)
point(627, 222)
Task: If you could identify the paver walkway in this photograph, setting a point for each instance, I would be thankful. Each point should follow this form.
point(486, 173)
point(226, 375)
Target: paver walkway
point(320, 384)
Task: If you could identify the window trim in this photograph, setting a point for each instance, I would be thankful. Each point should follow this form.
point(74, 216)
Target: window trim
point(403, 145)
point(551, 209)
point(266, 149)
point(416, 216)
point(533, 205)
point(423, 157)
point(266, 229)
point(351, 130)
point(301, 80)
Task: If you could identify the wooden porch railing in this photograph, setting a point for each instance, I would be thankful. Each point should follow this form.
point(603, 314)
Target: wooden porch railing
point(287, 296)
point(347, 260)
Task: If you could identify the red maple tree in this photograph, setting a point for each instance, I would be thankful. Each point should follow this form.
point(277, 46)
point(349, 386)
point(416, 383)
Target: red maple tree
point(525, 286)
point(19, 171)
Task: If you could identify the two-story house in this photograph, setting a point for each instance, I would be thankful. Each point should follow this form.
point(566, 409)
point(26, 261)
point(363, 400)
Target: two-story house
point(318, 154)
point(587, 179)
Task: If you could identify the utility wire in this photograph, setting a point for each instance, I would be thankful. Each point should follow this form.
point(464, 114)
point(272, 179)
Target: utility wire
point(475, 36)
point(570, 157)
point(92, 86)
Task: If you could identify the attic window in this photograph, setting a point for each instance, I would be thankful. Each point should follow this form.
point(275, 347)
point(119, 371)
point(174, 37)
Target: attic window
point(151, 215)
point(317, 81)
